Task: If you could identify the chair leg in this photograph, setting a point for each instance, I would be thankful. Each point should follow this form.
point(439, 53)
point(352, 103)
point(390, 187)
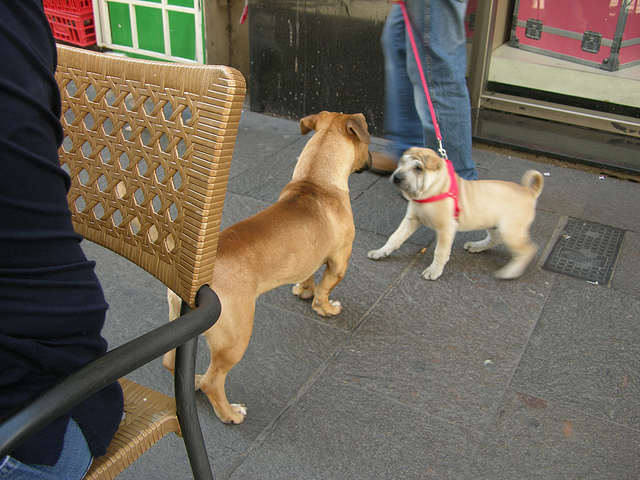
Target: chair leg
point(187, 410)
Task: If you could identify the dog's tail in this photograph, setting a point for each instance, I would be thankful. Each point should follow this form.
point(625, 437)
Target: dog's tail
point(534, 181)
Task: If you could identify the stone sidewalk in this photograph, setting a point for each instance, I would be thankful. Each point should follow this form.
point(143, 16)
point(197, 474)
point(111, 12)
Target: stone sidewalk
point(465, 377)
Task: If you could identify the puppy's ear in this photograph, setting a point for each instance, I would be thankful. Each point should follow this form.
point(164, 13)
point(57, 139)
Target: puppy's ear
point(357, 125)
point(431, 160)
point(308, 123)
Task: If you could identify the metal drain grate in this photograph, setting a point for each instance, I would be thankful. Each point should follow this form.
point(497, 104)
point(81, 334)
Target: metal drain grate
point(585, 250)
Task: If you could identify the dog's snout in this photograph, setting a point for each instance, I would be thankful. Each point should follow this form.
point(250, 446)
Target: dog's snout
point(396, 179)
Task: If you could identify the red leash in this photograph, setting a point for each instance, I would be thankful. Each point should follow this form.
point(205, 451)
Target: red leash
point(453, 189)
point(441, 150)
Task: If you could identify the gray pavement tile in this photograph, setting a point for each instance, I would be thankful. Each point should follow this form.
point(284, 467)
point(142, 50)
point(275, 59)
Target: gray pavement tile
point(446, 347)
point(167, 459)
point(533, 438)
point(269, 175)
point(260, 136)
point(615, 203)
point(625, 274)
point(238, 207)
point(566, 190)
point(484, 159)
point(285, 351)
point(464, 377)
point(359, 183)
point(364, 283)
point(584, 353)
point(338, 431)
point(380, 209)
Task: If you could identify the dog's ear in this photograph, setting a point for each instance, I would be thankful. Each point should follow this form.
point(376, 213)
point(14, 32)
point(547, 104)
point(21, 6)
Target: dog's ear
point(357, 125)
point(431, 160)
point(308, 123)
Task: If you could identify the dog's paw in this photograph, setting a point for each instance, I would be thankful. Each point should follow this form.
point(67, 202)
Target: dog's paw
point(237, 416)
point(471, 247)
point(377, 254)
point(431, 273)
point(333, 307)
point(509, 272)
point(302, 292)
point(241, 409)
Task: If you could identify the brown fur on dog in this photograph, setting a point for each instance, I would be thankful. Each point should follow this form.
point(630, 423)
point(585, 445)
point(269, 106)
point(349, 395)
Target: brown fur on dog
point(310, 225)
point(505, 209)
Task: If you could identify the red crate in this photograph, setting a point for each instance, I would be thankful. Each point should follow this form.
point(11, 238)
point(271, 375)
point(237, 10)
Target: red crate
point(77, 29)
point(71, 6)
point(597, 33)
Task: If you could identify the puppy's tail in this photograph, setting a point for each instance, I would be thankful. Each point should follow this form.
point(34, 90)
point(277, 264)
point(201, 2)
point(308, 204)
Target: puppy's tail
point(534, 181)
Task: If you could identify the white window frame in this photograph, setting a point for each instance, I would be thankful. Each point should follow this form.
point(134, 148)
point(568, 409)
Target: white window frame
point(103, 28)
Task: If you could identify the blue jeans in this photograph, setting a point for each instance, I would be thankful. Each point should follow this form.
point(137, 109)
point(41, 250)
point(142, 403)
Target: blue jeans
point(438, 27)
point(73, 463)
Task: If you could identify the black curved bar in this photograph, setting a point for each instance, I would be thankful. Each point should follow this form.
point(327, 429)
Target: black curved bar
point(20, 425)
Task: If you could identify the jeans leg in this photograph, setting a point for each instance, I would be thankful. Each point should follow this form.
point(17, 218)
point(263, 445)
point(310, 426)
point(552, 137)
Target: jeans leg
point(74, 461)
point(441, 40)
point(402, 124)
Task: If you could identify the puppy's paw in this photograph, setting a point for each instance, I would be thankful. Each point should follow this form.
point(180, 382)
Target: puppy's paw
point(481, 246)
point(471, 247)
point(378, 254)
point(431, 273)
point(302, 292)
point(332, 307)
point(509, 272)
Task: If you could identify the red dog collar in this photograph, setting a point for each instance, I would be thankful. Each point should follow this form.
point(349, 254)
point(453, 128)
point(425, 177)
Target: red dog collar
point(452, 193)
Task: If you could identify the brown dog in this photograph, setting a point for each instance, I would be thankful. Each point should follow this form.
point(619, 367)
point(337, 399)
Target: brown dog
point(310, 225)
point(505, 209)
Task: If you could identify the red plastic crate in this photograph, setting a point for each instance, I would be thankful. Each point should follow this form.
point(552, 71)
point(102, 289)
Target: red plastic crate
point(71, 6)
point(77, 29)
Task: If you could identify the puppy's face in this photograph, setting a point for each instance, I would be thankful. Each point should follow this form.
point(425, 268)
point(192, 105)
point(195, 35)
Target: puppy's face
point(353, 127)
point(417, 170)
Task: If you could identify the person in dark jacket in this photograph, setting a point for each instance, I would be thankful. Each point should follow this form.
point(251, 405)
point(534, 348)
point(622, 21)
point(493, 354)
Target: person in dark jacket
point(52, 308)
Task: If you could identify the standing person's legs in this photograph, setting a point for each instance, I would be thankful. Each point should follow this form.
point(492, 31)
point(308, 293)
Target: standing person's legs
point(401, 121)
point(440, 36)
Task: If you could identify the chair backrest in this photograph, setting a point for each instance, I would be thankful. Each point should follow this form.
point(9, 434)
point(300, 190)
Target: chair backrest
point(148, 146)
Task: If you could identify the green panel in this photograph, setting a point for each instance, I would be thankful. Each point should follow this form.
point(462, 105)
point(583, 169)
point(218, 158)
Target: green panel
point(182, 34)
point(150, 35)
point(153, 1)
point(120, 24)
point(181, 3)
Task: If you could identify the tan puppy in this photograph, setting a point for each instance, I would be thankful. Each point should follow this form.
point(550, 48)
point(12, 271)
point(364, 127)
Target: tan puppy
point(310, 225)
point(505, 209)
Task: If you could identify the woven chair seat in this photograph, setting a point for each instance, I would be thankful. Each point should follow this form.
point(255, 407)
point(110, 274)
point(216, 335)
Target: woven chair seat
point(148, 416)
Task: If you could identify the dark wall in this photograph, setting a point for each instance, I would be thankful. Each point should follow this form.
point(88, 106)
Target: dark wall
point(309, 56)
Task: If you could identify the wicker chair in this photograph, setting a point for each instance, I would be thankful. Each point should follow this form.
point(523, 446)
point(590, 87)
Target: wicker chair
point(148, 146)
